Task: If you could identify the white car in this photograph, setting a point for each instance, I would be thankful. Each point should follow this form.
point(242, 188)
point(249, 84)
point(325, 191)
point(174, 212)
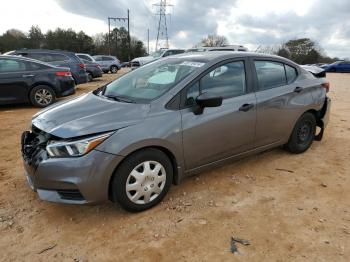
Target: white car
point(140, 61)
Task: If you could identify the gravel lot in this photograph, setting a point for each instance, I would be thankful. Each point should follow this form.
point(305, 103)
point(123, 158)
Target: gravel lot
point(290, 207)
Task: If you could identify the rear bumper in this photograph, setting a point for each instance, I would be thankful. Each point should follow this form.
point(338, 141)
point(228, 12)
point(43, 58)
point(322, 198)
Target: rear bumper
point(67, 87)
point(81, 78)
point(326, 111)
point(323, 119)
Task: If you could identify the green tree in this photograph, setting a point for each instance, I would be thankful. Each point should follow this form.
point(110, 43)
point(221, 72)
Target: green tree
point(13, 39)
point(35, 37)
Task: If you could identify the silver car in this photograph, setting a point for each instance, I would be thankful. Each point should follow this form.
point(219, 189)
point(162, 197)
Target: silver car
point(130, 140)
point(108, 63)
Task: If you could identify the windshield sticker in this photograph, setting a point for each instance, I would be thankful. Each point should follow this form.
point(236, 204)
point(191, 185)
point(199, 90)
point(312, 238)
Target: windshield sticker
point(194, 64)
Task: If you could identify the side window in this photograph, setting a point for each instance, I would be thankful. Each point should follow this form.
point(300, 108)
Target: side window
point(191, 94)
point(107, 58)
point(98, 58)
point(167, 53)
point(270, 74)
point(227, 80)
point(58, 58)
point(44, 57)
point(9, 65)
point(291, 73)
point(36, 66)
point(85, 57)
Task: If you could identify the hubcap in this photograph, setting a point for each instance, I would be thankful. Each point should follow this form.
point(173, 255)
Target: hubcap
point(43, 97)
point(145, 182)
point(304, 132)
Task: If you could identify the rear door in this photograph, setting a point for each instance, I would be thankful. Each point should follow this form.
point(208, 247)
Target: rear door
point(15, 80)
point(223, 131)
point(280, 100)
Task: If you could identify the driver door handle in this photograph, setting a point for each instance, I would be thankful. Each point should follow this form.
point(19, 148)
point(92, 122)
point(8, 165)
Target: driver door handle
point(246, 107)
point(27, 75)
point(298, 89)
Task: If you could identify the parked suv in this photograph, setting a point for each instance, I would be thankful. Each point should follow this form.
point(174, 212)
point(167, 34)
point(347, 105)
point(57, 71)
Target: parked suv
point(57, 58)
point(108, 63)
point(129, 140)
point(25, 80)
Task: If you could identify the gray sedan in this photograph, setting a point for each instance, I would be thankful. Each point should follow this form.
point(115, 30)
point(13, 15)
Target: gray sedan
point(130, 140)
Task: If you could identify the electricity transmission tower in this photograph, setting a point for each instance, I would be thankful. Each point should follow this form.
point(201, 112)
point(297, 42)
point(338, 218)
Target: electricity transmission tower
point(162, 35)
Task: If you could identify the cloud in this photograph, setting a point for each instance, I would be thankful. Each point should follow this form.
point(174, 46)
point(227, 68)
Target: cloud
point(242, 22)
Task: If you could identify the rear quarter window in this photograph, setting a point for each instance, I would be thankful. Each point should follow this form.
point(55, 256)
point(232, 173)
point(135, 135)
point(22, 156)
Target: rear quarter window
point(291, 73)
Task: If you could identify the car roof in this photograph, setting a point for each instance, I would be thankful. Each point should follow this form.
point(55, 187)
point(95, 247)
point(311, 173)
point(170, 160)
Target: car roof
point(43, 51)
point(228, 54)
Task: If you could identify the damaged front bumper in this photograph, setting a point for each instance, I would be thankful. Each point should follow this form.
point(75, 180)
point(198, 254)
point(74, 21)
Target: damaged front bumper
point(74, 180)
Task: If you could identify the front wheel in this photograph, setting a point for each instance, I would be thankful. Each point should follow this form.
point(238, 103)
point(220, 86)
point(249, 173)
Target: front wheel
point(303, 134)
point(42, 96)
point(142, 180)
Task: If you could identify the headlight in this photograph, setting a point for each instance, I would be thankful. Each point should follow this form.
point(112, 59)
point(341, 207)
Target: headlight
point(74, 148)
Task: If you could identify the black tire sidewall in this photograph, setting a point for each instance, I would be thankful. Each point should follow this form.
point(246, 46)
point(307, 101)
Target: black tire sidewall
point(116, 69)
point(35, 89)
point(293, 144)
point(118, 191)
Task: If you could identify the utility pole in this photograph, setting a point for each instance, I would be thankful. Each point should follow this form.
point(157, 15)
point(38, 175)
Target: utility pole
point(148, 41)
point(119, 19)
point(162, 34)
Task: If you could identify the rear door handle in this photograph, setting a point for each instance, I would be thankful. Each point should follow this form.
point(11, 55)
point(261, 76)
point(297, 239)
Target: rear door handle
point(298, 89)
point(28, 75)
point(246, 107)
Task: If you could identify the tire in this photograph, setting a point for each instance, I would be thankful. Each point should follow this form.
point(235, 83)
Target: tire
point(303, 134)
point(132, 172)
point(89, 77)
point(42, 96)
point(114, 69)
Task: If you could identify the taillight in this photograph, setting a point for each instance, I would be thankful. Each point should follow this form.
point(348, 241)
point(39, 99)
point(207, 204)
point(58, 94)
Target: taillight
point(63, 73)
point(326, 86)
point(81, 66)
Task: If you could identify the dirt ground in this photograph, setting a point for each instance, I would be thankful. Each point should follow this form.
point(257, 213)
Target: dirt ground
point(290, 207)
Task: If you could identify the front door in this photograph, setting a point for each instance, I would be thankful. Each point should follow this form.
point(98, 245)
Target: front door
point(13, 80)
point(223, 131)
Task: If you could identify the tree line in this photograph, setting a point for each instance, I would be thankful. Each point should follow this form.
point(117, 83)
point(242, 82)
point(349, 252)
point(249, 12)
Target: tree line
point(70, 40)
point(301, 51)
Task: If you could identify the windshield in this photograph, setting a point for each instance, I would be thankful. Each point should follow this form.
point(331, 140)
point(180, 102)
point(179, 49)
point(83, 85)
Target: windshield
point(152, 80)
point(157, 54)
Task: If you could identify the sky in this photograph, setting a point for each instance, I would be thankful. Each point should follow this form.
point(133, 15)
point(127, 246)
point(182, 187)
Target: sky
point(248, 22)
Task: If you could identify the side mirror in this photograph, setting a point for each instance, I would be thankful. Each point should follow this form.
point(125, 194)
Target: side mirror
point(207, 100)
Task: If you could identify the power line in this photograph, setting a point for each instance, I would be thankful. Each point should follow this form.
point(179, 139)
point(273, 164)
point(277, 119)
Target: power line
point(119, 19)
point(162, 33)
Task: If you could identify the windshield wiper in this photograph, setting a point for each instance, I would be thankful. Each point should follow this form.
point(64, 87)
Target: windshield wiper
point(120, 98)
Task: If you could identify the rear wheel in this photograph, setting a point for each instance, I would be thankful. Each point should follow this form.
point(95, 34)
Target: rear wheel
point(303, 134)
point(42, 96)
point(142, 180)
point(114, 69)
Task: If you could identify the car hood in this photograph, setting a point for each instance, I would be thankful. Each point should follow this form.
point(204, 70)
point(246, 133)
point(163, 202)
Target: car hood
point(88, 114)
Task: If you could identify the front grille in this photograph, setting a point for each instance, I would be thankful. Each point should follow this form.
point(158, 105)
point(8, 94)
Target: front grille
point(70, 194)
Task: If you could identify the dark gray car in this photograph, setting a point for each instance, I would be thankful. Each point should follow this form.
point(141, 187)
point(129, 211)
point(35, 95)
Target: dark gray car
point(57, 58)
point(131, 139)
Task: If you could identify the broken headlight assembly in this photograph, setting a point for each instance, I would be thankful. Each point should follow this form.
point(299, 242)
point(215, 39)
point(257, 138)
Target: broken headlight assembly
point(75, 148)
